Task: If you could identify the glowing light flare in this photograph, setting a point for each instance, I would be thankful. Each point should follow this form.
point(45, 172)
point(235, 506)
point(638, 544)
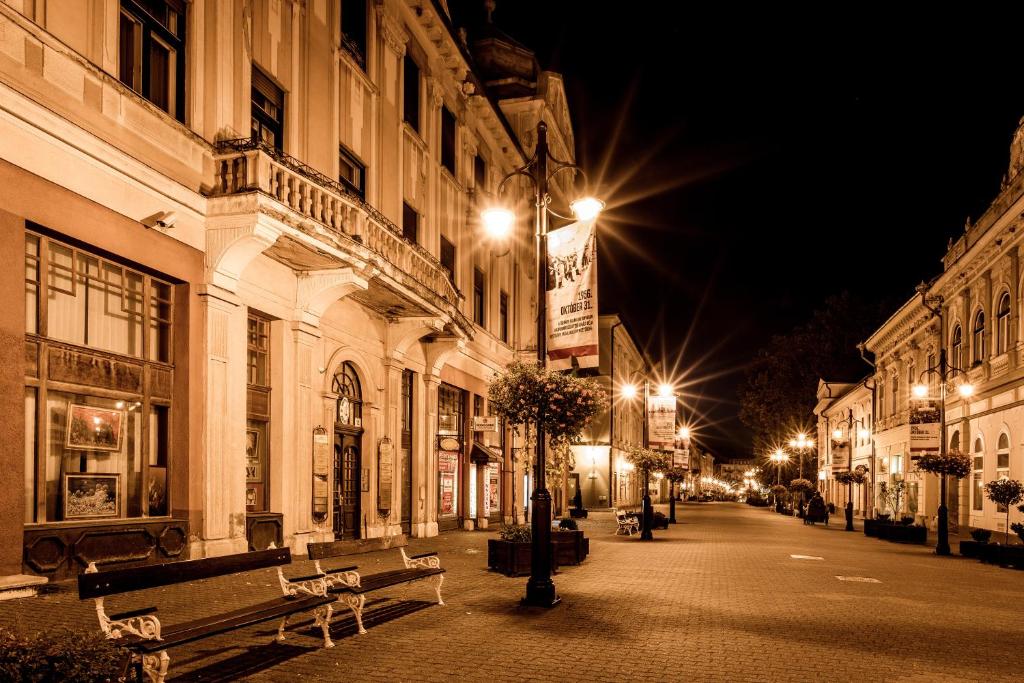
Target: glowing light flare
point(586, 208)
point(628, 391)
point(684, 432)
point(920, 390)
point(966, 390)
point(666, 390)
point(498, 221)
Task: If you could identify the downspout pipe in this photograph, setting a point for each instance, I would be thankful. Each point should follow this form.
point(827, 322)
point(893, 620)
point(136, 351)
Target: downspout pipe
point(874, 421)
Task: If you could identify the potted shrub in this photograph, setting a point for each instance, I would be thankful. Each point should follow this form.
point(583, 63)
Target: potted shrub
point(512, 553)
point(647, 461)
point(1006, 492)
point(778, 490)
point(800, 488)
point(976, 547)
point(61, 655)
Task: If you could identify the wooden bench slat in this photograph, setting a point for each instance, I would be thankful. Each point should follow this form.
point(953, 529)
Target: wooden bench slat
point(374, 582)
point(100, 584)
point(431, 554)
point(342, 569)
point(296, 579)
point(180, 634)
point(133, 613)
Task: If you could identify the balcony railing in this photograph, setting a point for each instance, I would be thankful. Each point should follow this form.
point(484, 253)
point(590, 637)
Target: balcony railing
point(247, 165)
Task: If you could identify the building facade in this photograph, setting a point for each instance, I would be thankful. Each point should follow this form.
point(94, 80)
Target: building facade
point(841, 405)
point(258, 306)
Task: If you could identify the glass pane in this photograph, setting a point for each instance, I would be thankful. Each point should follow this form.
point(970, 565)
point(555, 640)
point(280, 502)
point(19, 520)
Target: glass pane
point(93, 457)
point(977, 501)
point(161, 64)
point(30, 455)
point(1003, 460)
point(31, 284)
point(66, 306)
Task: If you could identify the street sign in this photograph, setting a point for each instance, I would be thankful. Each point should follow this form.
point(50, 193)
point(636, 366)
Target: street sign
point(485, 424)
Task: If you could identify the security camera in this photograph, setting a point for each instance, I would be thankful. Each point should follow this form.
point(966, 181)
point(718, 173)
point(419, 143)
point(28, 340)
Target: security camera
point(167, 220)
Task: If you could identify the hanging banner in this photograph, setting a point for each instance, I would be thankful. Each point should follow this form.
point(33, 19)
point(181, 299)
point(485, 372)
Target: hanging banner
point(572, 296)
point(681, 458)
point(924, 426)
point(661, 422)
point(840, 455)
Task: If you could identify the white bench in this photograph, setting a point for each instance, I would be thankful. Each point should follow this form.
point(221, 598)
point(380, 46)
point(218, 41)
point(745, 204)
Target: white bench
point(626, 523)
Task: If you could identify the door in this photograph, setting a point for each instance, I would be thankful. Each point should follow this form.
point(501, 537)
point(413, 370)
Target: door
point(347, 468)
point(405, 452)
point(575, 493)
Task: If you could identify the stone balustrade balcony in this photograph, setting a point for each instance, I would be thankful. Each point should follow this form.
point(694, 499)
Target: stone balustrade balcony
point(323, 210)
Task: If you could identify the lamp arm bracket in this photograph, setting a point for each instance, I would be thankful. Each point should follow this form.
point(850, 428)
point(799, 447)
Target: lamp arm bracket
point(524, 171)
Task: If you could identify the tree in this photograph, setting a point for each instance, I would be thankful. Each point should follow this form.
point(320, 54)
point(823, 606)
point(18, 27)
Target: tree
point(777, 396)
point(1005, 492)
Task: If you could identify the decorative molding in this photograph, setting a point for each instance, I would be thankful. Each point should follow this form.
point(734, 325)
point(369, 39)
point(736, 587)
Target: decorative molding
point(391, 30)
point(317, 290)
point(230, 249)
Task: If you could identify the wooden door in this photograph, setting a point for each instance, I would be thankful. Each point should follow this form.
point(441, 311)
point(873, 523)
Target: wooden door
point(347, 470)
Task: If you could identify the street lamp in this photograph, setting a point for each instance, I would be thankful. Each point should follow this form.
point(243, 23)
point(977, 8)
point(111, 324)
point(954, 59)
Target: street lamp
point(801, 444)
point(778, 457)
point(862, 433)
point(540, 589)
point(684, 437)
point(943, 369)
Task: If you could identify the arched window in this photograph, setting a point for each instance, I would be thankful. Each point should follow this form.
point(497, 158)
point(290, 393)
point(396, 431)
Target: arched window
point(957, 348)
point(350, 396)
point(1003, 453)
point(977, 485)
point(954, 441)
point(1003, 324)
point(979, 338)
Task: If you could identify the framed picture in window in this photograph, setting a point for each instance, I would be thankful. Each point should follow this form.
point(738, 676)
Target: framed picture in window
point(157, 491)
point(94, 429)
point(92, 495)
point(253, 462)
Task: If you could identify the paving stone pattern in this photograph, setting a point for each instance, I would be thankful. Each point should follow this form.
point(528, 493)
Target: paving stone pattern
point(715, 598)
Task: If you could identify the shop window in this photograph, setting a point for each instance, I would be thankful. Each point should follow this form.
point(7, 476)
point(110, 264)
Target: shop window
point(353, 29)
point(479, 297)
point(1003, 462)
point(257, 432)
point(1003, 324)
point(448, 257)
point(977, 482)
point(151, 51)
point(351, 173)
point(88, 456)
point(350, 396)
point(267, 113)
point(410, 223)
point(450, 425)
point(448, 139)
point(411, 93)
point(503, 316)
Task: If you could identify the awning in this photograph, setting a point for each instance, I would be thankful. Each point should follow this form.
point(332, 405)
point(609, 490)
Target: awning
point(481, 454)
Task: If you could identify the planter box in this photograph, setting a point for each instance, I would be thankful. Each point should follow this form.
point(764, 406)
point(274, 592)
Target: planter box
point(514, 559)
point(902, 533)
point(571, 547)
point(974, 549)
point(1004, 555)
point(577, 514)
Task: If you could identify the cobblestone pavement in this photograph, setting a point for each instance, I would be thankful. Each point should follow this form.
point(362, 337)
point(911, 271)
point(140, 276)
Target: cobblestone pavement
point(718, 597)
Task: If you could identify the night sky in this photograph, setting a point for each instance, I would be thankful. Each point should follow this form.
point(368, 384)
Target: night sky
point(755, 164)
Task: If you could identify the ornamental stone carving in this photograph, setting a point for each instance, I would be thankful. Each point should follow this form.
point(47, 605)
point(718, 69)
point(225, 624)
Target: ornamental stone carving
point(394, 34)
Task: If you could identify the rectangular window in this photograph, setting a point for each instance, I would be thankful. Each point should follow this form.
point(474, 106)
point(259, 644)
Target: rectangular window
point(151, 49)
point(448, 140)
point(257, 408)
point(351, 173)
point(448, 257)
point(411, 98)
point(503, 316)
point(410, 224)
point(478, 297)
point(353, 29)
point(479, 173)
point(267, 110)
point(106, 444)
point(977, 493)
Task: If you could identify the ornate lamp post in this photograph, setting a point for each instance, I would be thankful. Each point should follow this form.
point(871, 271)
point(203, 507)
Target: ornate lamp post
point(862, 432)
point(778, 457)
point(630, 391)
point(801, 444)
point(684, 437)
point(540, 589)
point(944, 370)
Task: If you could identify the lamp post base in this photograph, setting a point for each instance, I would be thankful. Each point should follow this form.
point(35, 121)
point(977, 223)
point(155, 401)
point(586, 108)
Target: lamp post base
point(540, 594)
point(942, 546)
point(849, 516)
point(671, 505)
point(646, 534)
point(540, 589)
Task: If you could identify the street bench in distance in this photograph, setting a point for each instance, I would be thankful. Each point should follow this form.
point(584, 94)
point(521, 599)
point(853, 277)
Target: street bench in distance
point(142, 632)
point(350, 588)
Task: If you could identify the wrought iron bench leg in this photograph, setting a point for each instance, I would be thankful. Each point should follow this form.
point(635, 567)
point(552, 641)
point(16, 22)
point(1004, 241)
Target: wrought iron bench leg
point(436, 581)
point(355, 603)
point(280, 628)
point(155, 666)
point(323, 620)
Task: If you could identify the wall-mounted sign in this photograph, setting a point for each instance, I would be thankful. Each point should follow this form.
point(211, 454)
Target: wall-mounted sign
point(448, 443)
point(385, 473)
point(661, 422)
point(681, 458)
point(485, 424)
point(321, 470)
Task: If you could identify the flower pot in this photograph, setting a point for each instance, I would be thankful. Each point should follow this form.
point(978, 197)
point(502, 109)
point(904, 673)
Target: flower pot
point(902, 533)
point(514, 559)
point(974, 549)
point(871, 527)
point(1005, 555)
point(577, 513)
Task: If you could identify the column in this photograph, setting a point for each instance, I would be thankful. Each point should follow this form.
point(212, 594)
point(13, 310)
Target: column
point(426, 487)
point(389, 111)
point(12, 397)
point(219, 479)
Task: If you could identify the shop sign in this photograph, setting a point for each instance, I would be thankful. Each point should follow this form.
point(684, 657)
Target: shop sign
point(485, 424)
point(447, 461)
point(449, 443)
point(924, 426)
point(572, 296)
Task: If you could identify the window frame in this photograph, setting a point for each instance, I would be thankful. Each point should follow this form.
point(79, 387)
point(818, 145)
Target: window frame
point(957, 348)
point(449, 134)
point(412, 114)
point(978, 338)
point(354, 42)
point(149, 30)
point(409, 211)
point(503, 316)
point(978, 476)
point(347, 157)
point(448, 246)
point(1003, 324)
point(264, 87)
point(479, 297)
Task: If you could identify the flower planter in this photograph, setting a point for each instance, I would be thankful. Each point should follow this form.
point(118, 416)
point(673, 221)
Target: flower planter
point(577, 513)
point(902, 533)
point(514, 559)
point(974, 549)
point(571, 547)
point(1004, 555)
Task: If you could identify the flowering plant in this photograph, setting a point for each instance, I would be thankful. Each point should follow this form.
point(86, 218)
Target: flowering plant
point(854, 477)
point(801, 485)
point(675, 473)
point(952, 464)
point(647, 460)
point(777, 489)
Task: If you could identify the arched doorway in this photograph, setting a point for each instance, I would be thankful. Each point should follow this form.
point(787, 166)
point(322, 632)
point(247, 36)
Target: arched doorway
point(348, 439)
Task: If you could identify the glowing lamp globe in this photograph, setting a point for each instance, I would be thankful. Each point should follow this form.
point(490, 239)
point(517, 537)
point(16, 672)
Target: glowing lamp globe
point(920, 390)
point(586, 208)
point(498, 221)
point(628, 391)
point(966, 390)
point(665, 390)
